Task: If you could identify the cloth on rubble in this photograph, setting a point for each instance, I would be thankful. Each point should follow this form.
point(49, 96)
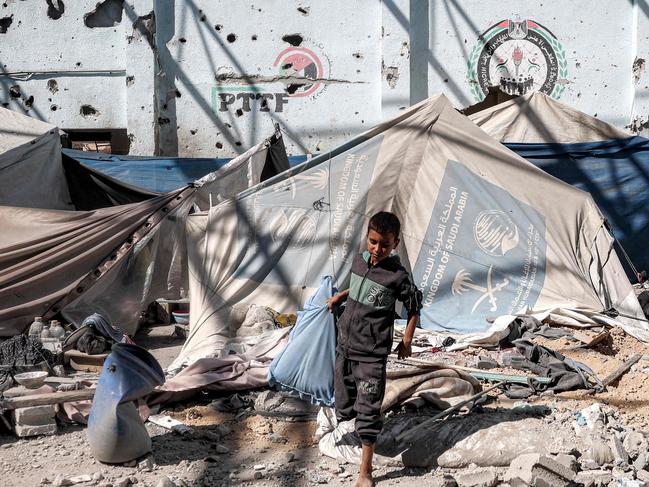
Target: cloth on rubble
point(95, 335)
point(228, 373)
point(413, 387)
point(22, 353)
point(565, 374)
point(501, 327)
point(526, 326)
point(277, 404)
point(306, 366)
point(231, 403)
point(258, 320)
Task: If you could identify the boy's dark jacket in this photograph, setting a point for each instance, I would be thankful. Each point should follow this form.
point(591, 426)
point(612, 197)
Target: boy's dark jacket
point(365, 327)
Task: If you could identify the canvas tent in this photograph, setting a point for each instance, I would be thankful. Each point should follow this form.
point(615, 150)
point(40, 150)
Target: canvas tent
point(482, 232)
point(113, 260)
point(586, 153)
point(31, 174)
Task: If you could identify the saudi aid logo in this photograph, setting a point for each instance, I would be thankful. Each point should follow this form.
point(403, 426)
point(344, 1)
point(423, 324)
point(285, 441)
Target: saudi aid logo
point(519, 56)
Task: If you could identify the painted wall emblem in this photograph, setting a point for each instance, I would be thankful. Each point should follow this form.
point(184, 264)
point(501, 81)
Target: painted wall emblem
point(301, 63)
point(520, 56)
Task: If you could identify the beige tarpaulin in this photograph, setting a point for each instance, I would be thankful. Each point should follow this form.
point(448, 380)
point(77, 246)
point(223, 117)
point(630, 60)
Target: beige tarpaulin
point(31, 174)
point(156, 266)
point(538, 118)
point(45, 254)
point(485, 233)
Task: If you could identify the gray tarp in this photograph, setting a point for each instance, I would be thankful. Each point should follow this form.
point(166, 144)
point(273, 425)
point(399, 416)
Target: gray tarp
point(485, 233)
point(31, 174)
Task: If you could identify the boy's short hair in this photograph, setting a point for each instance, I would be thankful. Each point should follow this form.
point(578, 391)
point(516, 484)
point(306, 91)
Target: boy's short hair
point(385, 222)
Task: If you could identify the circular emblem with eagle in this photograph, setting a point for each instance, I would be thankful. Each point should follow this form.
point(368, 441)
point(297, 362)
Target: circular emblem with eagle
point(519, 56)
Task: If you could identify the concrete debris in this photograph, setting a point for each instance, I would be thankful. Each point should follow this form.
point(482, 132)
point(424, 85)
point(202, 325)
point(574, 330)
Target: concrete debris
point(538, 470)
point(618, 450)
point(601, 453)
point(594, 478)
point(635, 443)
point(165, 482)
point(485, 477)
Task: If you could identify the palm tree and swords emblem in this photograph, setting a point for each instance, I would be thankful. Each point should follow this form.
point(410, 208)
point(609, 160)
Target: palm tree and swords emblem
point(462, 283)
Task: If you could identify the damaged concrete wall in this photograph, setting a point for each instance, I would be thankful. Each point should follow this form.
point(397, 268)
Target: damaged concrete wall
point(209, 78)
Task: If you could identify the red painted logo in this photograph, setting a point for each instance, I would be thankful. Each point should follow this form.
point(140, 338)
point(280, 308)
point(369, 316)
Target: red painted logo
point(303, 64)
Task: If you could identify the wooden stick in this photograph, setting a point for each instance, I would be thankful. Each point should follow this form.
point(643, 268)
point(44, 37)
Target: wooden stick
point(621, 370)
point(48, 398)
point(448, 411)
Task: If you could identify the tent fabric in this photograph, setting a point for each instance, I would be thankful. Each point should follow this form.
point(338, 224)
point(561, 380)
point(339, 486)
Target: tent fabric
point(91, 189)
point(306, 366)
point(482, 231)
point(586, 153)
point(538, 118)
point(157, 267)
point(44, 254)
point(31, 175)
point(615, 173)
point(154, 174)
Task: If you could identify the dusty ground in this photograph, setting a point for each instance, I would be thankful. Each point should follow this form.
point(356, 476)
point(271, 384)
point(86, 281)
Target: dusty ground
point(265, 451)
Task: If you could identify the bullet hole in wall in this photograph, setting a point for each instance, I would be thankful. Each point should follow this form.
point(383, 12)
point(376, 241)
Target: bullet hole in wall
point(293, 39)
point(107, 14)
point(88, 111)
point(5, 22)
point(231, 37)
point(219, 145)
point(55, 9)
point(52, 86)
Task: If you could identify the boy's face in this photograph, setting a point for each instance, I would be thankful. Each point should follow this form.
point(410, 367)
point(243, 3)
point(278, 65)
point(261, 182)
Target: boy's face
point(379, 245)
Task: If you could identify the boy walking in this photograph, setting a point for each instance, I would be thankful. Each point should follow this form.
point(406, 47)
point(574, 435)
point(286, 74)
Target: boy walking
point(364, 338)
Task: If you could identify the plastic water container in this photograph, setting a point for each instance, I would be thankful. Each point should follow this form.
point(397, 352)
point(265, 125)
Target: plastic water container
point(36, 327)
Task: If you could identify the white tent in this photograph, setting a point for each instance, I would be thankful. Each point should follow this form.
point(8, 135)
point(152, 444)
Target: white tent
point(485, 233)
point(31, 174)
point(538, 118)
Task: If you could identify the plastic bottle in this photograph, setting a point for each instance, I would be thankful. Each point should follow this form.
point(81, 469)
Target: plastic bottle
point(36, 327)
point(56, 330)
point(46, 331)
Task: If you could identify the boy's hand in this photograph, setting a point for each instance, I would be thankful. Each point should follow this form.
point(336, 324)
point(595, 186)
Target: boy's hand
point(404, 349)
point(333, 301)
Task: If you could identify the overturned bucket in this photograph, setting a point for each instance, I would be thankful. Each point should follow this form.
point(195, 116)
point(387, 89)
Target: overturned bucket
point(116, 432)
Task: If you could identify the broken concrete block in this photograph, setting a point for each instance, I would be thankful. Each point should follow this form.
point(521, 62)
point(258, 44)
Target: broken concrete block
point(618, 450)
point(34, 415)
point(594, 478)
point(567, 461)
point(634, 443)
point(538, 470)
point(641, 462)
point(601, 453)
point(27, 430)
point(642, 475)
point(486, 477)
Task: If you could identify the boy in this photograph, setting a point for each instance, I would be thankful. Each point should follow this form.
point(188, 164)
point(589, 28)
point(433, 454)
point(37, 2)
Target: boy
point(364, 336)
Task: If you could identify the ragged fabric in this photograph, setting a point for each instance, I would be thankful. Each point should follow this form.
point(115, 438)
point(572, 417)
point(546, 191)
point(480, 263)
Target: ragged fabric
point(565, 374)
point(229, 373)
point(441, 388)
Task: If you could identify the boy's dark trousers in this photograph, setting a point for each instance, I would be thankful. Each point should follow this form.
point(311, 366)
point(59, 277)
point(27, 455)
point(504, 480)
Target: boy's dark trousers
point(359, 390)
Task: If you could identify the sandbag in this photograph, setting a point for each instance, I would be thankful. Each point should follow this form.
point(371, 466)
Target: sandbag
point(306, 366)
